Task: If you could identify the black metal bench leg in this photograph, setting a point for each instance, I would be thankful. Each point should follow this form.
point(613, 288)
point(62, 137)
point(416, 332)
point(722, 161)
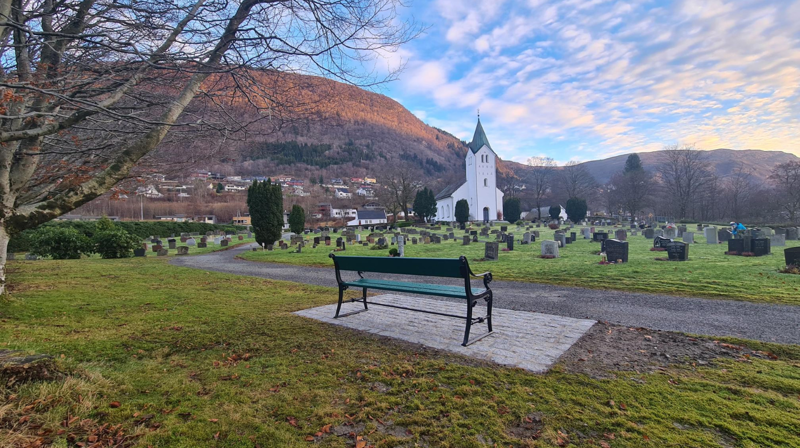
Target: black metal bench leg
point(489, 311)
point(365, 299)
point(339, 306)
point(469, 322)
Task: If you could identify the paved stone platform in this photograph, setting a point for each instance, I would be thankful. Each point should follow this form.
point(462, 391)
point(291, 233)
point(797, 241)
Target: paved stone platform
point(531, 341)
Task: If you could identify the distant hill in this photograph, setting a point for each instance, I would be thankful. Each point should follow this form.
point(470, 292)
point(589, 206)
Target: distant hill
point(724, 162)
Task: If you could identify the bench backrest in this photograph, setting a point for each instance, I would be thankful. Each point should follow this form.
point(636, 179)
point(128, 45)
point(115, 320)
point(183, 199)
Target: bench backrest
point(431, 267)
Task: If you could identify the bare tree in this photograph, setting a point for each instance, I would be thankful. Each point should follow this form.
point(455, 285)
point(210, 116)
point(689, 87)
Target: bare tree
point(685, 172)
point(632, 190)
point(740, 187)
point(88, 88)
point(402, 183)
point(575, 181)
point(786, 178)
point(539, 179)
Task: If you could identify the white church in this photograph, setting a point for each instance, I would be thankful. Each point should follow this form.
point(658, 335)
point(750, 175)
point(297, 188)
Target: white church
point(480, 186)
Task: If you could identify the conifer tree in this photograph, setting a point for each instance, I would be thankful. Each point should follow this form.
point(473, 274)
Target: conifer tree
point(265, 201)
point(297, 219)
point(462, 211)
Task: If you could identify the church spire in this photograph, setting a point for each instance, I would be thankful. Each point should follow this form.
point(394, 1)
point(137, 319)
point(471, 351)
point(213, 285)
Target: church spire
point(479, 139)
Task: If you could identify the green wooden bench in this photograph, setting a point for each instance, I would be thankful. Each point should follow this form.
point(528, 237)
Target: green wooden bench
point(430, 267)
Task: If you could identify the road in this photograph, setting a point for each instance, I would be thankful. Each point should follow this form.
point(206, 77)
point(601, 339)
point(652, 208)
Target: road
point(764, 322)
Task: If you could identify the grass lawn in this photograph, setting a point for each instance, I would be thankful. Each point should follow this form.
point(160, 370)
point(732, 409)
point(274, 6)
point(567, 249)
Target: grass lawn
point(185, 358)
point(708, 273)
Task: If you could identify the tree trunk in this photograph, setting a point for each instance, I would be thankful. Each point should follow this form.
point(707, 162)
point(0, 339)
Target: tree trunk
point(4, 238)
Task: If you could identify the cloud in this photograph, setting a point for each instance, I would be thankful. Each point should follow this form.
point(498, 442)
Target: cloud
point(599, 77)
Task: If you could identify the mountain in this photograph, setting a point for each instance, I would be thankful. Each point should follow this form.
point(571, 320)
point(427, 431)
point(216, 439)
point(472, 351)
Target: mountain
point(330, 128)
point(724, 161)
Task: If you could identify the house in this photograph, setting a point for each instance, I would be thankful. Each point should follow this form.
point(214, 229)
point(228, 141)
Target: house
point(174, 218)
point(241, 220)
point(343, 213)
point(206, 219)
point(343, 193)
point(356, 180)
point(365, 192)
point(370, 180)
point(368, 218)
point(149, 192)
point(373, 206)
point(337, 181)
point(84, 218)
point(234, 188)
point(479, 187)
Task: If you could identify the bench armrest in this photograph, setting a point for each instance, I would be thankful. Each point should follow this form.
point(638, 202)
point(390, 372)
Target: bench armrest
point(480, 275)
point(487, 278)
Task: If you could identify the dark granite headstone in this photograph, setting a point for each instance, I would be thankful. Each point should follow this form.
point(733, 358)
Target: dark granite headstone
point(140, 252)
point(172, 243)
point(661, 242)
point(510, 242)
point(491, 251)
point(760, 246)
point(792, 256)
point(224, 243)
point(736, 245)
point(183, 250)
point(616, 250)
point(599, 236)
point(202, 245)
point(678, 251)
point(649, 234)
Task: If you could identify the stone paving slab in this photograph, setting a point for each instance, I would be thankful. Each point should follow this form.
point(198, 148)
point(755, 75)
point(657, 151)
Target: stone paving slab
point(531, 341)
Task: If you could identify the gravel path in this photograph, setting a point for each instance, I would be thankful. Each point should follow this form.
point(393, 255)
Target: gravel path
point(765, 322)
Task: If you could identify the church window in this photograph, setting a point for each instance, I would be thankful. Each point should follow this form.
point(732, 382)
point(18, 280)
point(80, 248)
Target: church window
point(485, 182)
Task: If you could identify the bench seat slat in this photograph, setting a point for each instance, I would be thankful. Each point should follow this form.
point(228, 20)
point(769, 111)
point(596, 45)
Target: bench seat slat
point(414, 288)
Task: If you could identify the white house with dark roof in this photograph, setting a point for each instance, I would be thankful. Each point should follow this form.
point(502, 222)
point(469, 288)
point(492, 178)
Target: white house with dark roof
point(368, 218)
point(479, 186)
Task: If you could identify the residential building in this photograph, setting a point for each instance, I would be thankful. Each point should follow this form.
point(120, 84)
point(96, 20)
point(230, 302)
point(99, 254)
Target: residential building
point(343, 193)
point(368, 217)
point(206, 219)
point(241, 220)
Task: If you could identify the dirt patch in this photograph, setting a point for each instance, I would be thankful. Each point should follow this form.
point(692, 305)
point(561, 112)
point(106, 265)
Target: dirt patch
point(529, 428)
point(606, 348)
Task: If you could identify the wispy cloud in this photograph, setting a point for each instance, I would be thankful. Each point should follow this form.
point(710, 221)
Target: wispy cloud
point(590, 78)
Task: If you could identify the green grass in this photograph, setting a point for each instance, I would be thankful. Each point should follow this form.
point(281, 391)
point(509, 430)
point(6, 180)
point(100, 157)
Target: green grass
point(198, 358)
point(708, 273)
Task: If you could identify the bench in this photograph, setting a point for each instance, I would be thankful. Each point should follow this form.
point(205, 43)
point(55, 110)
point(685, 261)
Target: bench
point(430, 267)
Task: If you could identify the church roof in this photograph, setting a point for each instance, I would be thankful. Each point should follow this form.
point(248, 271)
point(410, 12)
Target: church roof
point(450, 189)
point(479, 139)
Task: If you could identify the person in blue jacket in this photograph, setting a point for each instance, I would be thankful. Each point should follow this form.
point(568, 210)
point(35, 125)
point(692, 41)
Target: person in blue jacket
point(737, 227)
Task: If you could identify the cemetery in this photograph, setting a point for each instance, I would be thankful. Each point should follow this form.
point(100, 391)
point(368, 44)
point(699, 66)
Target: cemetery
point(704, 270)
point(156, 356)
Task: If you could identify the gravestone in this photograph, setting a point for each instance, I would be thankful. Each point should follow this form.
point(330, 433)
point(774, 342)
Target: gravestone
point(401, 246)
point(204, 239)
point(172, 243)
point(649, 234)
point(156, 247)
point(616, 251)
point(465, 240)
point(561, 239)
point(724, 235)
point(688, 237)
point(778, 240)
point(183, 250)
point(760, 246)
point(658, 233)
point(586, 234)
point(572, 236)
point(491, 251)
point(163, 252)
point(599, 236)
point(711, 235)
point(510, 242)
point(140, 252)
point(191, 242)
point(736, 245)
point(474, 238)
point(316, 240)
point(327, 241)
point(31, 257)
point(621, 235)
point(223, 242)
point(241, 237)
point(792, 256)
point(526, 238)
point(202, 245)
point(670, 233)
point(661, 242)
point(791, 233)
point(677, 251)
point(550, 248)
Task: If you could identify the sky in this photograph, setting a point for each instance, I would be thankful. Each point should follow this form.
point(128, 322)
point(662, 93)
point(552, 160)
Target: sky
point(589, 79)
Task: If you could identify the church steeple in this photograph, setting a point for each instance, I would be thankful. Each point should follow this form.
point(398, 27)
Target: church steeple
point(479, 139)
